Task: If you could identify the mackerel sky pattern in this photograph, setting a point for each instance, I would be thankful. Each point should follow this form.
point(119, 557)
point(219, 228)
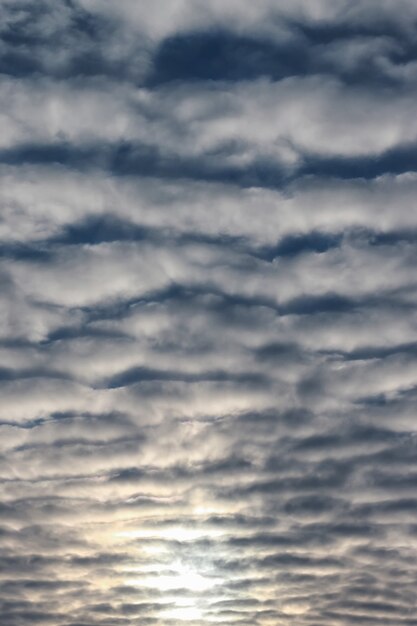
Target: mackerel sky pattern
point(208, 330)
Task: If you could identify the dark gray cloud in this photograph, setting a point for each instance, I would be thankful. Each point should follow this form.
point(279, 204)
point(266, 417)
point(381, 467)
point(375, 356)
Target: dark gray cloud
point(207, 313)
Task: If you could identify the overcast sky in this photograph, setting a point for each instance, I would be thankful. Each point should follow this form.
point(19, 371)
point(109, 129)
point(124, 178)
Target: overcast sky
point(208, 330)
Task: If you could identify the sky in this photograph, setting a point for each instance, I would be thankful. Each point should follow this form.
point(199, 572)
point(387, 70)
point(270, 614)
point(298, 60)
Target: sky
point(208, 330)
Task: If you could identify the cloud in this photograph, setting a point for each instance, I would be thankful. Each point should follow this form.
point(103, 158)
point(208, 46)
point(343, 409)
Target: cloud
point(207, 313)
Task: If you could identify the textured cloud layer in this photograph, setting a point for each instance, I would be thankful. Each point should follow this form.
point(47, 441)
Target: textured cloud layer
point(208, 330)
